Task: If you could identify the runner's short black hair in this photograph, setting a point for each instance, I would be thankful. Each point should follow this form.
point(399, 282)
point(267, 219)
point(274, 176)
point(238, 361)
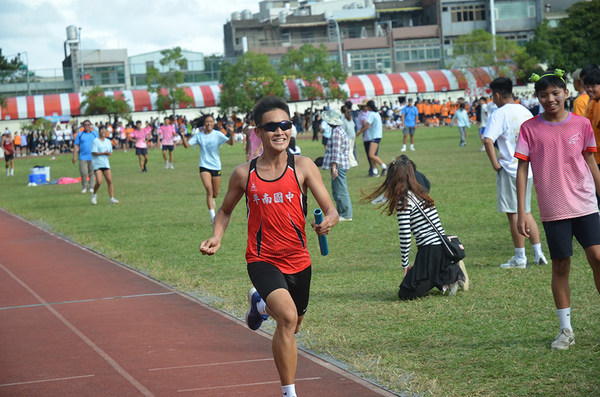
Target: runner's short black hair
point(549, 80)
point(586, 69)
point(503, 86)
point(592, 78)
point(266, 105)
point(372, 105)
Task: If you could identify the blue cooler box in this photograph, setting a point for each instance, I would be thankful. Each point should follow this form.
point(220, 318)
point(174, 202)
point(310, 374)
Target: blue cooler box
point(39, 175)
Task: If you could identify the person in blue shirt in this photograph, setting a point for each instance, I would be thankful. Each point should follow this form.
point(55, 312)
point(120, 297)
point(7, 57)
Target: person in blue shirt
point(409, 120)
point(83, 152)
point(462, 121)
point(101, 150)
point(373, 130)
point(209, 141)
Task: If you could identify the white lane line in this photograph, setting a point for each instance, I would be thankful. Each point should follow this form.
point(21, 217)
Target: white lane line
point(88, 300)
point(46, 380)
point(241, 385)
point(212, 364)
point(87, 340)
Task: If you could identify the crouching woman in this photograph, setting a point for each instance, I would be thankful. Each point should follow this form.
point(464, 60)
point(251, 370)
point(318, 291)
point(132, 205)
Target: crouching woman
point(418, 216)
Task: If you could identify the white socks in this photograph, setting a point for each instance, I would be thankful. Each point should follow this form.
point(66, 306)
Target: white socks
point(262, 307)
point(289, 391)
point(374, 171)
point(564, 318)
point(212, 214)
point(520, 253)
point(383, 166)
point(537, 250)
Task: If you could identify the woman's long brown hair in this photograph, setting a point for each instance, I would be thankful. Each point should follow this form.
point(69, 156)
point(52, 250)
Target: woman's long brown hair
point(400, 179)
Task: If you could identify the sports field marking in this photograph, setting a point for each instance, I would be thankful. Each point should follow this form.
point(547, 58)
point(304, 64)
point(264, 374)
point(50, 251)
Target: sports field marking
point(212, 364)
point(80, 334)
point(243, 385)
point(87, 300)
point(46, 380)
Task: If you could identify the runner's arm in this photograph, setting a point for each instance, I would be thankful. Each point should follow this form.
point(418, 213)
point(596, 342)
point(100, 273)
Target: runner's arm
point(313, 180)
point(522, 171)
point(235, 192)
point(591, 161)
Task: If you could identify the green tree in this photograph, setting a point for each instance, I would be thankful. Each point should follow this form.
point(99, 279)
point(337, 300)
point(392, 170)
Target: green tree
point(574, 42)
point(11, 69)
point(97, 103)
point(322, 76)
point(166, 84)
point(506, 57)
point(247, 81)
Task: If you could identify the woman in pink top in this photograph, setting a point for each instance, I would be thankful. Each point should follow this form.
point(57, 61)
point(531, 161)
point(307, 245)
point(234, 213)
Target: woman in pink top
point(140, 137)
point(166, 133)
point(254, 146)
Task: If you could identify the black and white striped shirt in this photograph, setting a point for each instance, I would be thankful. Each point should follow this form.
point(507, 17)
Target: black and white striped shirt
point(411, 220)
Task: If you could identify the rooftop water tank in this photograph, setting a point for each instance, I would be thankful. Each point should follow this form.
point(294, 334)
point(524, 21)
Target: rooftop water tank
point(246, 14)
point(72, 32)
point(236, 16)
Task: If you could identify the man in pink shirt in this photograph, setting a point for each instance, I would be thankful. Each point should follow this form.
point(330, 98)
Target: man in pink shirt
point(140, 137)
point(166, 133)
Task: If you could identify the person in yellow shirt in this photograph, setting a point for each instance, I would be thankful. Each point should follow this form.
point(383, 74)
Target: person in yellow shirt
point(580, 103)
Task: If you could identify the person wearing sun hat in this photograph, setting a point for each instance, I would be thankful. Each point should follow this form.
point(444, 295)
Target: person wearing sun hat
point(336, 159)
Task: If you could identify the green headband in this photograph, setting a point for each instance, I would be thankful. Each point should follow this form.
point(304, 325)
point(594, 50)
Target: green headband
point(557, 73)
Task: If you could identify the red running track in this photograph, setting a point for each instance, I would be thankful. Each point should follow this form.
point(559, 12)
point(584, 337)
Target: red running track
point(73, 323)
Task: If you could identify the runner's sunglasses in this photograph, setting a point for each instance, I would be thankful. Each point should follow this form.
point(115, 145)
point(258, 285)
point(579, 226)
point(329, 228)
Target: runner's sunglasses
point(272, 126)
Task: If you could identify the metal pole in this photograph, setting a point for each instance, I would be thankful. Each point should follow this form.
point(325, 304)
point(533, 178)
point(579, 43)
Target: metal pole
point(493, 26)
point(81, 62)
point(339, 40)
point(27, 59)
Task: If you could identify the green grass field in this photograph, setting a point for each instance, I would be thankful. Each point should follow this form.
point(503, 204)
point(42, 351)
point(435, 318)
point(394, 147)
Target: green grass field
point(493, 340)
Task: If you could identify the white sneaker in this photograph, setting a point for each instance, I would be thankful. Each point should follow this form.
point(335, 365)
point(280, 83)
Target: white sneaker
point(114, 200)
point(403, 148)
point(84, 191)
point(171, 166)
point(342, 219)
point(91, 190)
point(482, 149)
point(412, 148)
point(515, 263)
point(166, 166)
point(564, 340)
point(94, 201)
point(541, 260)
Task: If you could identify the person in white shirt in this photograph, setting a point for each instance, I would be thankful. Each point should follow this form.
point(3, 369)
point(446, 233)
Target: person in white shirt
point(503, 128)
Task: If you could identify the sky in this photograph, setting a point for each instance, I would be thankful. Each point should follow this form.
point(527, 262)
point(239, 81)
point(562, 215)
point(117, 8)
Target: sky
point(38, 27)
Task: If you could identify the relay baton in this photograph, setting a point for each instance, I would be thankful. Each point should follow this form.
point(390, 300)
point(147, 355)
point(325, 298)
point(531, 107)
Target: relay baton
point(322, 239)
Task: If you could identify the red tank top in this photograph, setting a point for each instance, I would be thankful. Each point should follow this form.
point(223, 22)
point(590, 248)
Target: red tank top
point(276, 220)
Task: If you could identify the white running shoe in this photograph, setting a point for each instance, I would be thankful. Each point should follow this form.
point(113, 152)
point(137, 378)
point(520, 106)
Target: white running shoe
point(166, 166)
point(91, 190)
point(412, 148)
point(94, 201)
point(564, 340)
point(114, 200)
point(403, 148)
point(84, 191)
point(515, 263)
point(171, 166)
point(541, 260)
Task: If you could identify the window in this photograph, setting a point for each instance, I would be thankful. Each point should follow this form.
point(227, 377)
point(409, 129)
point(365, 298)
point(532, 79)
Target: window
point(515, 10)
point(149, 64)
point(521, 39)
point(468, 13)
point(367, 61)
point(184, 65)
point(418, 50)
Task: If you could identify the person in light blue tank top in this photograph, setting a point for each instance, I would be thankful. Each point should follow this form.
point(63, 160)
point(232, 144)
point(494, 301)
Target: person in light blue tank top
point(100, 151)
point(209, 143)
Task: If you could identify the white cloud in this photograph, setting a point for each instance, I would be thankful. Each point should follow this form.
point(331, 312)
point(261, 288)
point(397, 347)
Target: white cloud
point(39, 26)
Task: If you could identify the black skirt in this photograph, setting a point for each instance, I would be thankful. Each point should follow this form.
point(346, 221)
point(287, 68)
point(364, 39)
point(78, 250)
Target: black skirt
point(431, 269)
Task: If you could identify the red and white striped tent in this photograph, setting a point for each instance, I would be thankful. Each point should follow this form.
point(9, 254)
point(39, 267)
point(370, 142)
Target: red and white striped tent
point(372, 85)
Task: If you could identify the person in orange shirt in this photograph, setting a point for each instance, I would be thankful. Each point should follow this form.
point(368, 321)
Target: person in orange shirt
point(420, 105)
point(444, 110)
point(592, 84)
point(580, 103)
point(17, 144)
